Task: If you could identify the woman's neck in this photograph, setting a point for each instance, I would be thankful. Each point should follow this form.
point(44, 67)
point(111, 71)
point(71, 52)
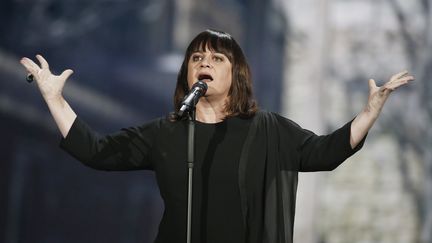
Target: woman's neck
point(209, 111)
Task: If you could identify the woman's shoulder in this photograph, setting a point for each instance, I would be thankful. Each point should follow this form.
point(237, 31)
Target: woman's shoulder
point(159, 122)
point(274, 118)
point(166, 122)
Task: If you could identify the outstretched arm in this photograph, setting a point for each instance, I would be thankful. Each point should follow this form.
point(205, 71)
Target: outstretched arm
point(377, 98)
point(125, 150)
point(51, 88)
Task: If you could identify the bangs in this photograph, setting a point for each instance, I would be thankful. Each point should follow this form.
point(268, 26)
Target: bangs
point(214, 41)
point(240, 96)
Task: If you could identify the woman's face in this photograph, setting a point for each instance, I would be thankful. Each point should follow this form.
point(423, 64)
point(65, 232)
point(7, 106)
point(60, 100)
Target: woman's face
point(213, 68)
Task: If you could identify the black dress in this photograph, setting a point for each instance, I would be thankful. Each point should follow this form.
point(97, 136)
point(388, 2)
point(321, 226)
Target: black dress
point(245, 176)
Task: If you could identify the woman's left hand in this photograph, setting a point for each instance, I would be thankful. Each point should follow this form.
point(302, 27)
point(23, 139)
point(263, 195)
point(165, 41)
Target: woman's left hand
point(378, 95)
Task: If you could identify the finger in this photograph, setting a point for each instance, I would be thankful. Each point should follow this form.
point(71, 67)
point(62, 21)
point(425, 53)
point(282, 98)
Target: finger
point(32, 67)
point(372, 84)
point(394, 86)
point(43, 62)
point(401, 74)
point(66, 73)
point(399, 83)
point(405, 79)
point(408, 78)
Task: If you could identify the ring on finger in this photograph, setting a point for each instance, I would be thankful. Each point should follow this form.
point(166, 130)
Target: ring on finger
point(30, 78)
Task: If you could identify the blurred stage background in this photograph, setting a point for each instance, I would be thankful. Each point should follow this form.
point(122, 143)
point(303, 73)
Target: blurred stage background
point(311, 60)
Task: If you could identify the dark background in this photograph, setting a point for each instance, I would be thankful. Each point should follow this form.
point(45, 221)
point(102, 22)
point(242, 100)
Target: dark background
point(125, 55)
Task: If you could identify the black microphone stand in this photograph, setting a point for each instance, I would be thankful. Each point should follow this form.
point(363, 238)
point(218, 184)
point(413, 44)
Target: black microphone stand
point(190, 165)
point(188, 105)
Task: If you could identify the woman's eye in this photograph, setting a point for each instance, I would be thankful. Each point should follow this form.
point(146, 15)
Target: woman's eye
point(196, 58)
point(218, 58)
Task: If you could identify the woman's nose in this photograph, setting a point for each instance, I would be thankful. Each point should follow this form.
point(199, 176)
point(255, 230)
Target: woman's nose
point(205, 62)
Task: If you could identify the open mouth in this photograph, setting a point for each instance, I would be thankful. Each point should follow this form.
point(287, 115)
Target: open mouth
point(205, 77)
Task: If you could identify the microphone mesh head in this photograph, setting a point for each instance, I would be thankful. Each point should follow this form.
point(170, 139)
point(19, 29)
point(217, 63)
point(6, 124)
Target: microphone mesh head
point(201, 85)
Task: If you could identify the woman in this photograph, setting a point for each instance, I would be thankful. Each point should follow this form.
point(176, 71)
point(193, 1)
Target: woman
point(246, 161)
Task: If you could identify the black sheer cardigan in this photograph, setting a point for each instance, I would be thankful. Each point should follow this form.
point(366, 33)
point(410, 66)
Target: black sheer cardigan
point(275, 150)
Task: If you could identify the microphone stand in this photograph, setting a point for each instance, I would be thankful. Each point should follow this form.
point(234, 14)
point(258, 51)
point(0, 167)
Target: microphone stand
point(188, 104)
point(190, 165)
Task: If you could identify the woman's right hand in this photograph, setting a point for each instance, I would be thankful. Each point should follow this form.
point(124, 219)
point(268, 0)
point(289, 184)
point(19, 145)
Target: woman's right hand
point(50, 85)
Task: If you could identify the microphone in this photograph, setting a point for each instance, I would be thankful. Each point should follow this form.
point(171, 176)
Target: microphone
point(191, 99)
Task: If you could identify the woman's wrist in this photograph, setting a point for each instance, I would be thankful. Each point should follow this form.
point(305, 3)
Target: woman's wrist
point(370, 112)
point(56, 99)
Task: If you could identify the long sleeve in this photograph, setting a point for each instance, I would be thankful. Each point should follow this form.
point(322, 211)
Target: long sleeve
point(318, 153)
point(128, 149)
point(275, 151)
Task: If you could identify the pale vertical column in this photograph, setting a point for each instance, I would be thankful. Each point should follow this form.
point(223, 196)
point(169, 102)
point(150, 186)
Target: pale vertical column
point(426, 233)
point(182, 25)
point(303, 97)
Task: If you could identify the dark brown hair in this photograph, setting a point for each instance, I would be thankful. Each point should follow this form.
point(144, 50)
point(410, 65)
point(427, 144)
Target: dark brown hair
point(241, 101)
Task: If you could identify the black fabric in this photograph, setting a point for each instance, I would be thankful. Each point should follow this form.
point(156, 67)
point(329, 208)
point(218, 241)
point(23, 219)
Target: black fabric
point(275, 150)
point(263, 155)
point(216, 212)
point(218, 216)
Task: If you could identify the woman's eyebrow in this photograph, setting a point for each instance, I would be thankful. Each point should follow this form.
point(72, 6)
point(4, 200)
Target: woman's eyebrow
point(212, 52)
